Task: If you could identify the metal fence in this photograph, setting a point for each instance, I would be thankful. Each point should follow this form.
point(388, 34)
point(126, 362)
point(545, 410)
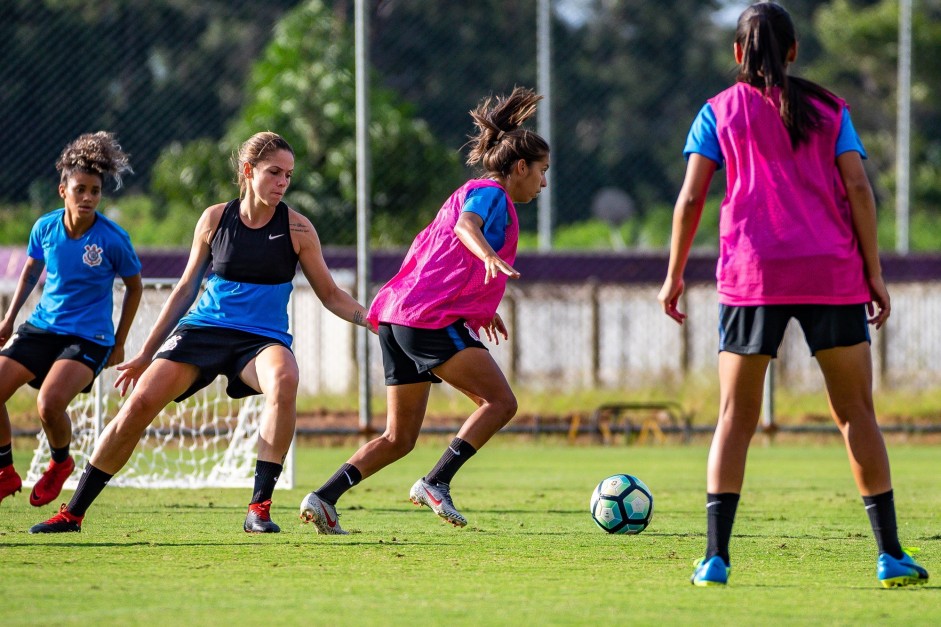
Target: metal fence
point(181, 83)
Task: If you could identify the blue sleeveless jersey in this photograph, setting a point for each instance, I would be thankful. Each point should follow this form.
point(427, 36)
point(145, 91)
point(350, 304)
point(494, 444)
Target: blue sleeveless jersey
point(252, 277)
point(77, 298)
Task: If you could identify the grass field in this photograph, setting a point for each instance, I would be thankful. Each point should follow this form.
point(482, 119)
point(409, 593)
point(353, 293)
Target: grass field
point(802, 553)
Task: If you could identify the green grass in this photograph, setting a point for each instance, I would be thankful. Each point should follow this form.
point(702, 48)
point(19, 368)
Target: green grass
point(802, 552)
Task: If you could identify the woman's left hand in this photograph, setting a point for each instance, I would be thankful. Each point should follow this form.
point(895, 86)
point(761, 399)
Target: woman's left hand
point(495, 329)
point(880, 306)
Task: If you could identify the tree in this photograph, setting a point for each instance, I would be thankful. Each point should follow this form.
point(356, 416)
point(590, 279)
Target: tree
point(860, 40)
point(303, 88)
point(153, 71)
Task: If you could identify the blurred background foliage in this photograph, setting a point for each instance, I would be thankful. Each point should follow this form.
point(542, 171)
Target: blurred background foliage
point(183, 83)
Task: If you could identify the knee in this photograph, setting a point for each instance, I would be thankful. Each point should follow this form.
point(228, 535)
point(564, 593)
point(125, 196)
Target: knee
point(50, 406)
point(400, 445)
point(505, 406)
point(283, 387)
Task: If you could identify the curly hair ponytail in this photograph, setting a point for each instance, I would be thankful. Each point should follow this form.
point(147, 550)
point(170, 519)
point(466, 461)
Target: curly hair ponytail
point(94, 153)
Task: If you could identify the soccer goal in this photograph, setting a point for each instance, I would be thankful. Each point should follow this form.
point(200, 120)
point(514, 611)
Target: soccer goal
point(208, 440)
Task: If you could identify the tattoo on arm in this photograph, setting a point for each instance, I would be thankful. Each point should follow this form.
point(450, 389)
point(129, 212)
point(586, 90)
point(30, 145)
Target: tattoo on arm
point(299, 227)
point(358, 317)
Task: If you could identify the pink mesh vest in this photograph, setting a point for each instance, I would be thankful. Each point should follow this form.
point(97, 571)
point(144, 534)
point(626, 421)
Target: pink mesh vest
point(440, 280)
point(785, 228)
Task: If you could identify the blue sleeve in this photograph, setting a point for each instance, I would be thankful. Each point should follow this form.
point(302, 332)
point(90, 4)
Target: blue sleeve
point(123, 257)
point(34, 248)
point(703, 139)
point(483, 201)
point(848, 139)
point(490, 204)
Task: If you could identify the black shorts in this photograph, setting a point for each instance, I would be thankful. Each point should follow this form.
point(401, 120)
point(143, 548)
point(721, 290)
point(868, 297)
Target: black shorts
point(409, 354)
point(759, 330)
point(37, 349)
point(215, 351)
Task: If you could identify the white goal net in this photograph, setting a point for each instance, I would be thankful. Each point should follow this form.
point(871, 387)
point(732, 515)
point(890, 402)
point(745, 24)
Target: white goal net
point(208, 440)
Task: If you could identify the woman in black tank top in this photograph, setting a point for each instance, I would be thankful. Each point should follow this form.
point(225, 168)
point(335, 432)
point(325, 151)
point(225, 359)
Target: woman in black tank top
point(255, 239)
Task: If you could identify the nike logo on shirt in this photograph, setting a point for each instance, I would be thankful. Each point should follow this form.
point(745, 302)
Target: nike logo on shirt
point(276, 236)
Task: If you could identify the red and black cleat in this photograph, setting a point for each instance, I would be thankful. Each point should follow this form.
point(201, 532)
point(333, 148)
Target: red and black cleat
point(49, 486)
point(10, 482)
point(63, 522)
point(259, 520)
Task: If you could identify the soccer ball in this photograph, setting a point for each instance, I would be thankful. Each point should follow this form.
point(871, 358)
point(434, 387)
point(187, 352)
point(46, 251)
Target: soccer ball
point(622, 504)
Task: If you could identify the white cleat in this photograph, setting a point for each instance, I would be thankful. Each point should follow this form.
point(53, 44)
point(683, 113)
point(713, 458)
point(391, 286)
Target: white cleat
point(322, 514)
point(437, 496)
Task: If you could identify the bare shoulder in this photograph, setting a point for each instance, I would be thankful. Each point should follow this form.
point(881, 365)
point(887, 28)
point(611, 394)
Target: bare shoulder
point(303, 233)
point(208, 221)
point(299, 223)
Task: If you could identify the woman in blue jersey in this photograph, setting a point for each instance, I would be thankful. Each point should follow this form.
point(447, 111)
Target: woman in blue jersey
point(70, 336)
point(238, 328)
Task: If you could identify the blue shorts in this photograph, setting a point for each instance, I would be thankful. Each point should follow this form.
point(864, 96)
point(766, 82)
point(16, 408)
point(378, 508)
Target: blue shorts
point(37, 349)
point(409, 354)
point(758, 330)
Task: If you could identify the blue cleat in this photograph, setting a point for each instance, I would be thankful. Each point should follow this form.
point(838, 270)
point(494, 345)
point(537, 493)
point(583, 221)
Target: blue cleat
point(895, 573)
point(711, 572)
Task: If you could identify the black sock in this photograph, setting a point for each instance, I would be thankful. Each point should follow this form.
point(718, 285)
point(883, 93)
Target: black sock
point(341, 481)
point(59, 455)
point(452, 460)
point(266, 476)
point(881, 510)
point(720, 515)
point(6, 455)
point(90, 485)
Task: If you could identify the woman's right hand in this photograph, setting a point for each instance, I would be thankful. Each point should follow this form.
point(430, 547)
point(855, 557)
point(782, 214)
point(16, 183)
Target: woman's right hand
point(130, 371)
point(494, 266)
point(669, 297)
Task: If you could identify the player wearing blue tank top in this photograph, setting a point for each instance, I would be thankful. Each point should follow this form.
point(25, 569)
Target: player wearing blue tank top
point(252, 245)
point(70, 336)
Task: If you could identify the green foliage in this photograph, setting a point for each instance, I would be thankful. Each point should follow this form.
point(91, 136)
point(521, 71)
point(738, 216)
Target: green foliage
point(153, 224)
point(860, 40)
point(303, 88)
point(193, 176)
point(530, 555)
point(15, 224)
point(649, 231)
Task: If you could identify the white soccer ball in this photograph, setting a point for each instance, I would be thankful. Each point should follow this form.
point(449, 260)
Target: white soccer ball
point(622, 504)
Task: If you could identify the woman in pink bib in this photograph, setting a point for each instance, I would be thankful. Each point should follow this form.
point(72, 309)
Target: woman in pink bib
point(429, 315)
point(797, 232)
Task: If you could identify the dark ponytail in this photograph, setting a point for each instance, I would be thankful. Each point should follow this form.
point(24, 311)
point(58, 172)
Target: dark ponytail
point(766, 35)
point(500, 141)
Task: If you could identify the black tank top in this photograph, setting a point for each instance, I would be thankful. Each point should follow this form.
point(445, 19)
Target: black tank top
point(264, 255)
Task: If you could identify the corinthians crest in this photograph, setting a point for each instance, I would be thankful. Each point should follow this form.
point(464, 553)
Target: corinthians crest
point(92, 256)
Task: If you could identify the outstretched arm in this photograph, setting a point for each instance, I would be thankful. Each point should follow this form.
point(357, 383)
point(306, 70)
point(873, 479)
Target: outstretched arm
point(686, 215)
point(310, 254)
point(468, 230)
point(179, 301)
